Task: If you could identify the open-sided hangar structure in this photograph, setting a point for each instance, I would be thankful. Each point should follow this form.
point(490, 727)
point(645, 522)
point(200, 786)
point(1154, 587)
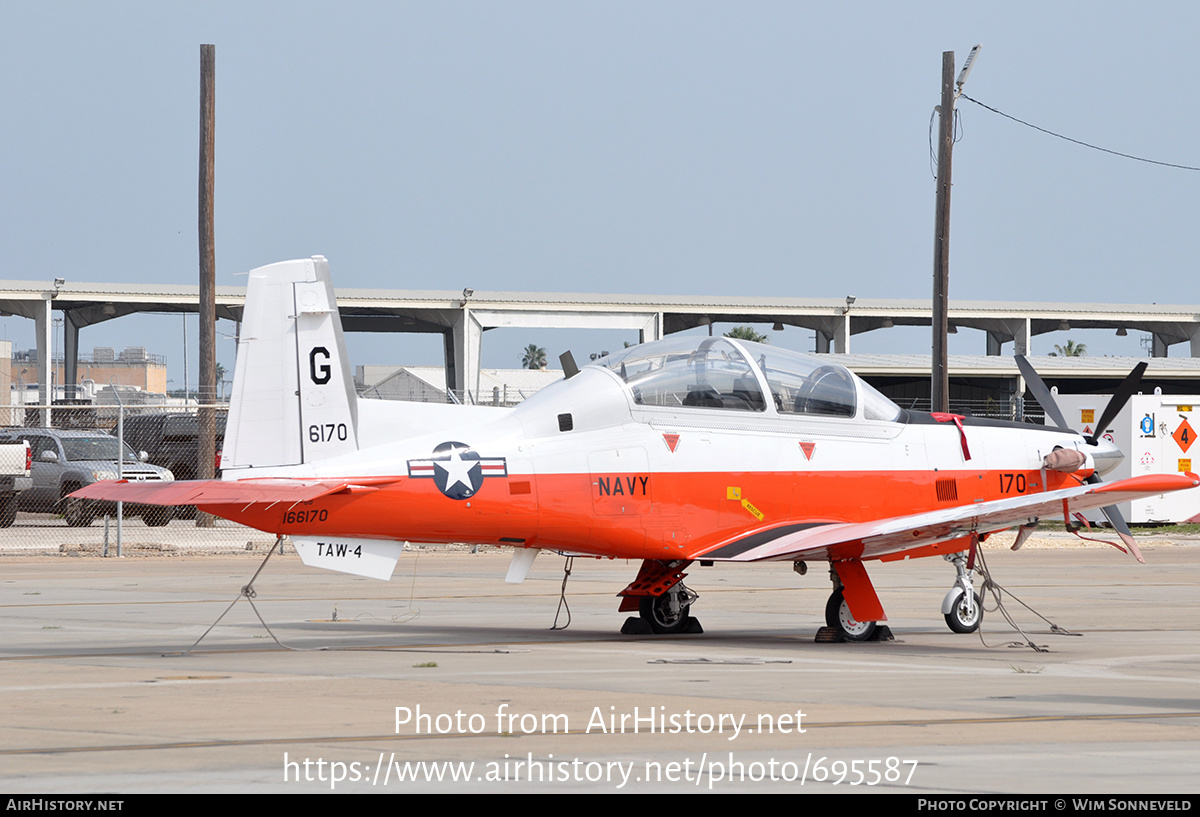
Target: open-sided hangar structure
point(463, 317)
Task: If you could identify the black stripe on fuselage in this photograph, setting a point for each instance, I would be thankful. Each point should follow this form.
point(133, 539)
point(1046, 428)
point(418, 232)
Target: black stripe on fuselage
point(755, 539)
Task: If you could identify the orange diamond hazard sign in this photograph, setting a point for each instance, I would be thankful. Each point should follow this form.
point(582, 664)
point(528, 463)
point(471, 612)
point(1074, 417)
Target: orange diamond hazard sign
point(1185, 435)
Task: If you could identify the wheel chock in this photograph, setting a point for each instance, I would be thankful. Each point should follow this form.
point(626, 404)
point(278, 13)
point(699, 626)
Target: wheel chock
point(635, 625)
point(831, 635)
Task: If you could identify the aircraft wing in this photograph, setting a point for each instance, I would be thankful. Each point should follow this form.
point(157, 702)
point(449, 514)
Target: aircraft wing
point(797, 539)
point(223, 492)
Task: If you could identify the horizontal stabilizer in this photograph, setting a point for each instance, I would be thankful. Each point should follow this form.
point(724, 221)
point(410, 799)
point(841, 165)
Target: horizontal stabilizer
point(222, 492)
point(798, 539)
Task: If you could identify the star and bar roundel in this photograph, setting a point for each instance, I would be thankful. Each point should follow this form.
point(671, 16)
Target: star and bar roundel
point(456, 470)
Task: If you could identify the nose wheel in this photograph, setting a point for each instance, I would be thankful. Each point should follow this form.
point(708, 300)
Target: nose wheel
point(962, 607)
point(966, 613)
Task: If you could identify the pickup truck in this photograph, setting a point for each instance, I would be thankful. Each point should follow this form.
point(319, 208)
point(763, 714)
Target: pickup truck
point(16, 463)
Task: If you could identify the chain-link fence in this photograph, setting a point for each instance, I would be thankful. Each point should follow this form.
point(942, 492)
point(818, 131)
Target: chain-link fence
point(75, 445)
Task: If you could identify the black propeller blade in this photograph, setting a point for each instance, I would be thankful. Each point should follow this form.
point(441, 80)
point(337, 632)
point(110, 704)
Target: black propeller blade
point(1118, 400)
point(1115, 403)
point(1042, 394)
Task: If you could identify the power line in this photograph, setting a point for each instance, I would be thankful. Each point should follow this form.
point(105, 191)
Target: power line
point(1077, 141)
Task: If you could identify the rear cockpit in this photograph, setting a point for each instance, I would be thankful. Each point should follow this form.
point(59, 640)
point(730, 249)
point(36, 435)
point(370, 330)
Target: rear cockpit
point(725, 374)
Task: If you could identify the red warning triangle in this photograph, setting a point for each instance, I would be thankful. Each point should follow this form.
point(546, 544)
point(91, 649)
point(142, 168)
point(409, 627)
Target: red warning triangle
point(808, 449)
point(671, 440)
point(1087, 429)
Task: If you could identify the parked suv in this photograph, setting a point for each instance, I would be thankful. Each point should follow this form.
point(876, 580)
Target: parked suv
point(65, 461)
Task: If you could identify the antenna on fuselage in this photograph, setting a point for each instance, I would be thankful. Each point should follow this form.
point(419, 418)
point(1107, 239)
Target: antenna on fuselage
point(568, 363)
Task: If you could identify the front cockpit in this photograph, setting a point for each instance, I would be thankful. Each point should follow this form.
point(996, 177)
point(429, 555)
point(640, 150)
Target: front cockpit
point(732, 375)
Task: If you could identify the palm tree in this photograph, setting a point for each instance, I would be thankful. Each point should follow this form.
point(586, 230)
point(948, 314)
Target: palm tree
point(1072, 349)
point(747, 333)
point(534, 357)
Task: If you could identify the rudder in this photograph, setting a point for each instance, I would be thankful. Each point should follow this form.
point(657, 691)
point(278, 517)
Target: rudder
point(293, 399)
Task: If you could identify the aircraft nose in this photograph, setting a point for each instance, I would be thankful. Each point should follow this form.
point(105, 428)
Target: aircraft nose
point(1106, 455)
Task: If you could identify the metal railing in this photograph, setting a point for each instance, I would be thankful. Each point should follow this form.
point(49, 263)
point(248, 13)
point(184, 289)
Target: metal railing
point(1018, 410)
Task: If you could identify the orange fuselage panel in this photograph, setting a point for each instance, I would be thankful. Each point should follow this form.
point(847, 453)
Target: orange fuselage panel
point(636, 516)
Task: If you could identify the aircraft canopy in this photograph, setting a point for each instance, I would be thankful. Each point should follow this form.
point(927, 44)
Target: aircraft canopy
point(725, 374)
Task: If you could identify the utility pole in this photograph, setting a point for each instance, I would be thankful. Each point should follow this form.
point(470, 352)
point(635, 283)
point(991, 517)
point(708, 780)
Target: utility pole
point(206, 432)
point(939, 391)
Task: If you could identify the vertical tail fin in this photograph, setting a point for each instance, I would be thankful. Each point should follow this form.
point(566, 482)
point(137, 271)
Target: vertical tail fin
point(293, 398)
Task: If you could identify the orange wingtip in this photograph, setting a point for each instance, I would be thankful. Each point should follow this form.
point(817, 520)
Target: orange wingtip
point(1151, 483)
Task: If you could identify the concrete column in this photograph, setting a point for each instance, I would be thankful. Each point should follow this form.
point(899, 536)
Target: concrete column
point(841, 336)
point(44, 327)
point(1021, 337)
point(994, 342)
point(1195, 343)
point(70, 355)
point(468, 336)
point(1159, 345)
point(823, 339)
point(652, 330)
point(448, 357)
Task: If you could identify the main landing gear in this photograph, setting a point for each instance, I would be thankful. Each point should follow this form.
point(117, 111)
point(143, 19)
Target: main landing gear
point(837, 617)
point(663, 603)
point(962, 607)
point(850, 579)
point(670, 613)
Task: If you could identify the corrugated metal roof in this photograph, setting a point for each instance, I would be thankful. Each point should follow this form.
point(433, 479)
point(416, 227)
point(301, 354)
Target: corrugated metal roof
point(1002, 366)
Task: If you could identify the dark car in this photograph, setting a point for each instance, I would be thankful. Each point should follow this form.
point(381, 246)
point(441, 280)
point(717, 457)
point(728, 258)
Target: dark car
point(170, 440)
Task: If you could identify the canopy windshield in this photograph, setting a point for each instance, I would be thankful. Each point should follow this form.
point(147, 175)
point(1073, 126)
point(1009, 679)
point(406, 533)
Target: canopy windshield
point(808, 384)
point(717, 373)
point(699, 373)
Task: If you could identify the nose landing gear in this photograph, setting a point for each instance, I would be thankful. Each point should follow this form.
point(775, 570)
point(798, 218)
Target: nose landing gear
point(962, 607)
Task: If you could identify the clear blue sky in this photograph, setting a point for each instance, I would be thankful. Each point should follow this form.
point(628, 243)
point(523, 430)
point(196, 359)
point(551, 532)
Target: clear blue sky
point(779, 149)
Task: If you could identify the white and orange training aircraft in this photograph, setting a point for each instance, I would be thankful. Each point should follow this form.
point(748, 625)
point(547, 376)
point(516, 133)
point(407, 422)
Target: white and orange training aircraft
point(680, 450)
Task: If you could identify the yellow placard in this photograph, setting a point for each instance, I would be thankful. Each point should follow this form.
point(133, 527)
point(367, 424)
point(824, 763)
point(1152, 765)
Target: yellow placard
point(733, 493)
point(1087, 415)
point(1185, 466)
point(1183, 408)
point(757, 513)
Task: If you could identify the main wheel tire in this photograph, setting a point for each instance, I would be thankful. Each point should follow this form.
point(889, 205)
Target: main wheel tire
point(8, 510)
point(960, 620)
point(664, 615)
point(837, 615)
point(157, 517)
point(77, 512)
